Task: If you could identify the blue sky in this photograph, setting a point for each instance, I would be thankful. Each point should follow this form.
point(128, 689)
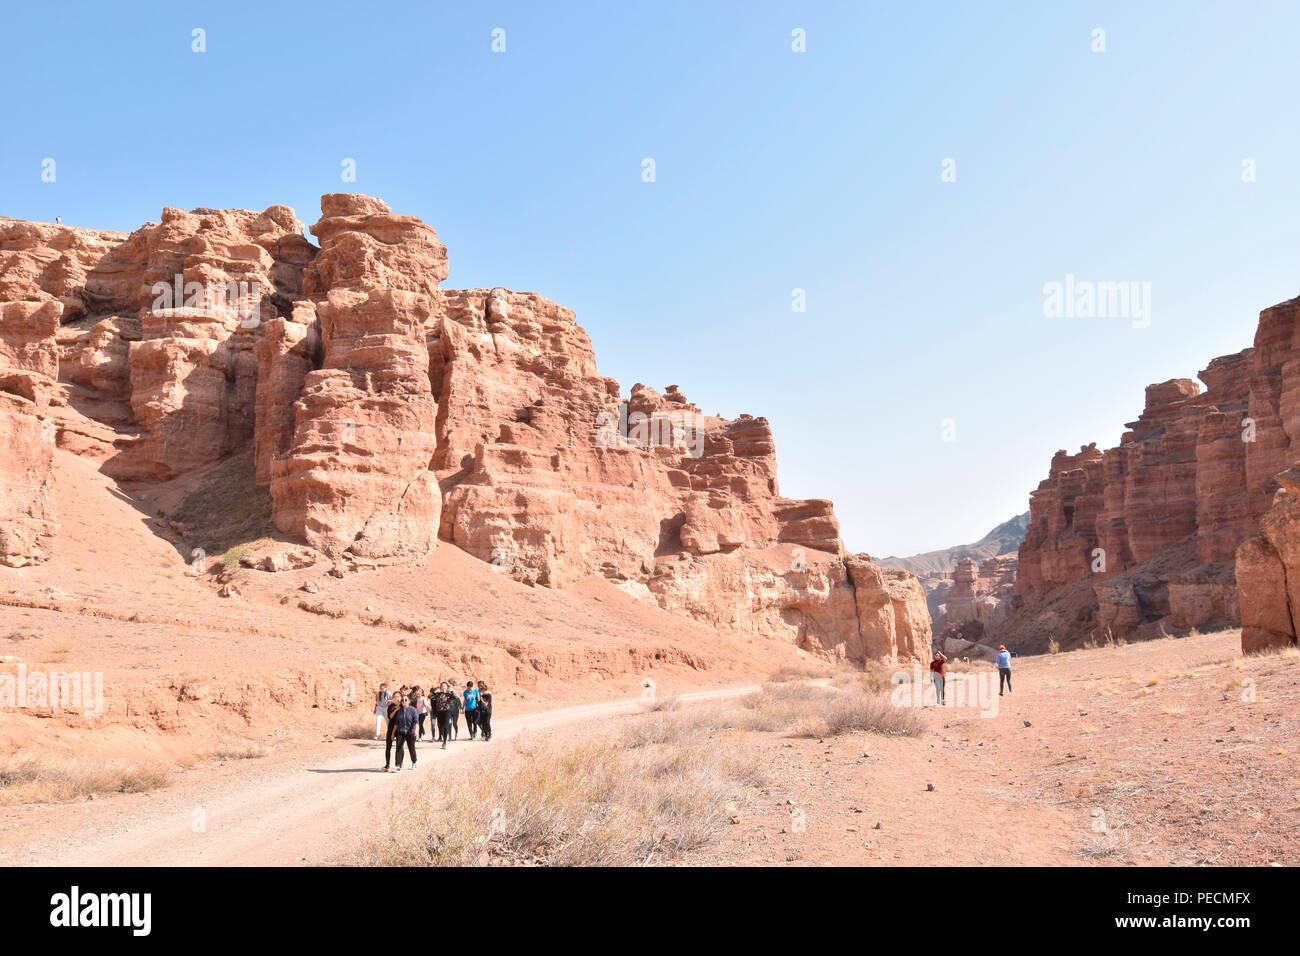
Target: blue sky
point(775, 170)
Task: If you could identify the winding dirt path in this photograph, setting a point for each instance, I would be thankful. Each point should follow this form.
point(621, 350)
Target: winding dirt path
point(294, 814)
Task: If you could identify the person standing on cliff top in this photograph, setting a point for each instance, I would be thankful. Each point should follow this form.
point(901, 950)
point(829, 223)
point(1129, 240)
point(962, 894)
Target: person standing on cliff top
point(936, 673)
point(484, 710)
point(471, 708)
point(1004, 668)
point(382, 697)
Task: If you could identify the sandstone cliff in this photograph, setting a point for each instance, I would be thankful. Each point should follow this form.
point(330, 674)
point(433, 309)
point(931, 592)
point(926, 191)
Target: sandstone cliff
point(383, 413)
point(1145, 536)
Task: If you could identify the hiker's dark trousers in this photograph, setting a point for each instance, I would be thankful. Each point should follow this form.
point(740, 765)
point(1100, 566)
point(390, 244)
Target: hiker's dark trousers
point(388, 744)
point(422, 716)
point(485, 723)
point(409, 740)
point(1004, 678)
point(471, 722)
point(444, 726)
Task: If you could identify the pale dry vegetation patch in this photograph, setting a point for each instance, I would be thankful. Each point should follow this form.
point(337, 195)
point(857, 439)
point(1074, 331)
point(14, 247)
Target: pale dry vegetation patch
point(801, 672)
point(357, 730)
point(244, 750)
point(661, 786)
point(28, 779)
point(596, 804)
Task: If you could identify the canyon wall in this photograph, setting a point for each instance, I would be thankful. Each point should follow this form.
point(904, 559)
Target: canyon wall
point(383, 413)
point(1145, 536)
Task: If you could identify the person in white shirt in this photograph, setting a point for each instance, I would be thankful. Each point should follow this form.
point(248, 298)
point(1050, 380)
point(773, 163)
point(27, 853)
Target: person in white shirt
point(382, 697)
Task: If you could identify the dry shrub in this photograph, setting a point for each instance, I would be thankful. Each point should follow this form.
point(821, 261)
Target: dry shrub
point(242, 751)
point(851, 713)
point(801, 672)
point(661, 704)
point(358, 730)
point(26, 779)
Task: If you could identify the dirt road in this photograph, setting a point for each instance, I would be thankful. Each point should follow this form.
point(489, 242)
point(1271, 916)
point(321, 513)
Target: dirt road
point(295, 814)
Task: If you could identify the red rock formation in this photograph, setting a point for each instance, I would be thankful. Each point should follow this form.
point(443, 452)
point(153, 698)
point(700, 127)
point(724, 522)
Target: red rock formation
point(1170, 506)
point(1268, 573)
point(381, 412)
point(977, 593)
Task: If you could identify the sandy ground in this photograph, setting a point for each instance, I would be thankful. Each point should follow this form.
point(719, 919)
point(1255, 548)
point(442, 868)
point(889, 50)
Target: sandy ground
point(1172, 752)
point(1175, 752)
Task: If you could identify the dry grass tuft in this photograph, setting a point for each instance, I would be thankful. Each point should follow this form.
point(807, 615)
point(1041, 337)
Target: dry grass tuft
point(357, 730)
point(242, 751)
point(801, 672)
point(26, 779)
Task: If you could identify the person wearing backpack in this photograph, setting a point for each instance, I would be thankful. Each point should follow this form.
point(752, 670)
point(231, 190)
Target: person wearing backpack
point(443, 698)
point(382, 697)
point(406, 720)
point(455, 717)
point(484, 710)
point(471, 708)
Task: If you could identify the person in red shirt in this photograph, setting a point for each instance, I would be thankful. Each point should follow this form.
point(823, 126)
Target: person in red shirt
point(936, 672)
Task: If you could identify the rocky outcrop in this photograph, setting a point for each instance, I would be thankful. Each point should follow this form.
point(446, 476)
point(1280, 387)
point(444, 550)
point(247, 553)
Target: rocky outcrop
point(382, 413)
point(1268, 573)
point(978, 593)
point(1157, 524)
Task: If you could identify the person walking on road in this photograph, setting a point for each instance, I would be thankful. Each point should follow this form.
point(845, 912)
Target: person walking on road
point(1004, 669)
point(455, 717)
point(406, 720)
point(471, 708)
point(443, 698)
point(382, 697)
point(394, 705)
point(484, 710)
point(936, 673)
point(421, 704)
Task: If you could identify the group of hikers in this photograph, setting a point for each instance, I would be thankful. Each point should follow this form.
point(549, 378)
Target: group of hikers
point(400, 717)
point(1004, 672)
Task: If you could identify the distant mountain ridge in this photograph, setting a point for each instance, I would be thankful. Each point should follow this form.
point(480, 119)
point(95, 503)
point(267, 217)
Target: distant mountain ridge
point(1002, 539)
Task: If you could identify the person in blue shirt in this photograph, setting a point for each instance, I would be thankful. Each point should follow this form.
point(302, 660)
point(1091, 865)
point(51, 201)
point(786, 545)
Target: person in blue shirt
point(471, 708)
point(1004, 668)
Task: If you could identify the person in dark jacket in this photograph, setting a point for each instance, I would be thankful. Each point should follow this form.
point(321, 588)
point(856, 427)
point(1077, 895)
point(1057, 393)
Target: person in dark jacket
point(484, 710)
point(442, 701)
point(455, 717)
point(394, 705)
point(406, 721)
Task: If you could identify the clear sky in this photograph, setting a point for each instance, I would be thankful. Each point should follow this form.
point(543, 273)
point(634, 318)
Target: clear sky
point(775, 171)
